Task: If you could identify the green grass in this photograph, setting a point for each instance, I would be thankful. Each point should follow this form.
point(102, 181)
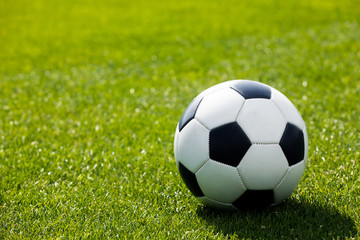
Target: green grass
point(91, 92)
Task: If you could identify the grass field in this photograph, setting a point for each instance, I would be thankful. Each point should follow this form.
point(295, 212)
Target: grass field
point(91, 92)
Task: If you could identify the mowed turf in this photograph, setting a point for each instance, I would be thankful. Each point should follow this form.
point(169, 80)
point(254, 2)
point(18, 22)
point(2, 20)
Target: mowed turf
point(91, 92)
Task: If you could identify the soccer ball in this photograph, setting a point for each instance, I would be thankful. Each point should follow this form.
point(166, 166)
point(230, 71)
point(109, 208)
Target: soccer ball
point(241, 144)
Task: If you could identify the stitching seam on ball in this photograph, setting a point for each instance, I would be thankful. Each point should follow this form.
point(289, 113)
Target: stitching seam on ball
point(282, 179)
point(281, 111)
point(202, 165)
point(201, 123)
point(238, 171)
point(222, 203)
point(241, 179)
point(237, 115)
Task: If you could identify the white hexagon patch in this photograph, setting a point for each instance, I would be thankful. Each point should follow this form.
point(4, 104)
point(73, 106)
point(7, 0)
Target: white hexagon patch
point(262, 121)
point(263, 166)
point(220, 182)
point(287, 108)
point(287, 186)
point(219, 108)
point(192, 145)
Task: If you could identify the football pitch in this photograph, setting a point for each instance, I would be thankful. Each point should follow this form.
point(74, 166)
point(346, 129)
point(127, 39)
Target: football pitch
point(91, 93)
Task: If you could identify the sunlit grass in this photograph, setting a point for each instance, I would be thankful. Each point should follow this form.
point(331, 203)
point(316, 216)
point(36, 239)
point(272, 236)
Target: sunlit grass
point(91, 92)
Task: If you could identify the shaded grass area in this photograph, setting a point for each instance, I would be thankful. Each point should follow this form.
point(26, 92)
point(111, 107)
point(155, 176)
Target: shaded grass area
point(90, 94)
point(291, 220)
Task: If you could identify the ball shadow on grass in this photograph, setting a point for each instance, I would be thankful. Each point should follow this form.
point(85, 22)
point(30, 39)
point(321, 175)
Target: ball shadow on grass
point(289, 220)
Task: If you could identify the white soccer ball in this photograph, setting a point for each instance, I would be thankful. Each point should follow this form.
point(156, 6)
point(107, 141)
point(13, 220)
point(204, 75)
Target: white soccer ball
point(241, 144)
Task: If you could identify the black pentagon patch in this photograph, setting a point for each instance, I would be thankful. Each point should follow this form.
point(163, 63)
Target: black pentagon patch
point(255, 199)
point(228, 144)
point(189, 112)
point(190, 181)
point(250, 89)
point(292, 144)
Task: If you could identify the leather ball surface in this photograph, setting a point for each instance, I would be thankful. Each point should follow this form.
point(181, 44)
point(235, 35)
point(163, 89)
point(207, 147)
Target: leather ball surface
point(241, 144)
